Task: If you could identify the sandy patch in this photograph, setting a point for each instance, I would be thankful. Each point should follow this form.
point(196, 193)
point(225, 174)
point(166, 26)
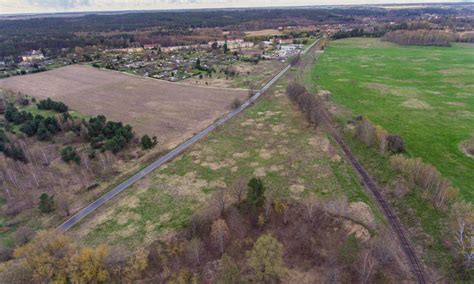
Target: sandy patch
point(184, 186)
point(361, 212)
point(265, 154)
point(260, 172)
point(248, 122)
point(241, 155)
point(297, 188)
point(416, 104)
point(459, 104)
point(358, 230)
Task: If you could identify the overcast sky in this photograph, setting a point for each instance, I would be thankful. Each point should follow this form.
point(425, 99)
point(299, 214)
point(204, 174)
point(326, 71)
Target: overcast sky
point(39, 6)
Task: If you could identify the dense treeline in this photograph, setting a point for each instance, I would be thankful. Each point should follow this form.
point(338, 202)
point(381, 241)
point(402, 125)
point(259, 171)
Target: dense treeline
point(419, 37)
point(309, 104)
point(19, 36)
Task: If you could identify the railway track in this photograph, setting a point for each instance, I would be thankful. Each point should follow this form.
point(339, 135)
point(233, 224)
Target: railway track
point(415, 264)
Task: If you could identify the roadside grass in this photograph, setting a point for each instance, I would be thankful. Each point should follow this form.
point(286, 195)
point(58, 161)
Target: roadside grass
point(270, 140)
point(424, 94)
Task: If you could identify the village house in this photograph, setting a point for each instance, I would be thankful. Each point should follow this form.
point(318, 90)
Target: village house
point(33, 55)
point(151, 46)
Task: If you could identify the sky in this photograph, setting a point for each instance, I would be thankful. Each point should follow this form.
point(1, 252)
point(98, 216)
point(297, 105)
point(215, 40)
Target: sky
point(42, 6)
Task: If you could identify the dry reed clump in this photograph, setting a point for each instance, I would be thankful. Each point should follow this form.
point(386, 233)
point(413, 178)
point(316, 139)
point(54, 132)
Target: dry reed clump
point(434, 186)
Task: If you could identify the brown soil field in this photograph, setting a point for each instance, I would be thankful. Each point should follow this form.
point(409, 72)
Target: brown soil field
point(170, 111)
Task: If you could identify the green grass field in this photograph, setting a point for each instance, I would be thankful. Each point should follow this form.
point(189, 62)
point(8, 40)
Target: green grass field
point(425, 94)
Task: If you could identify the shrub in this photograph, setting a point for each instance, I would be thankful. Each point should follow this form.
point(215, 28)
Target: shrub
point(69, 154)
point(395, 144)
point(46, 204)
point(433, 185)
point(256, 192)
point(236, 103)
point(366, 132)
point(147, 142)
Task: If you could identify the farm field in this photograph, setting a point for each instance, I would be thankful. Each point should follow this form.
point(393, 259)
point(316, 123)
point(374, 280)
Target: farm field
point(424, 94)
point(271, 140)
point(170, 111)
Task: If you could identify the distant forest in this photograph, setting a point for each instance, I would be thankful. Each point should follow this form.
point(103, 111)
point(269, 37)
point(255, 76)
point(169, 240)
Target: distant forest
point(54, 34)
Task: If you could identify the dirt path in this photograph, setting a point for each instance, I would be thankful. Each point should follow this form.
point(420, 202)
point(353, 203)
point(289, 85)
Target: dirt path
point(415, 265)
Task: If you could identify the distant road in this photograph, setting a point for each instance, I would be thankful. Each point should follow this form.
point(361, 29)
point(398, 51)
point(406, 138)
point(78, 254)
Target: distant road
point(172, 154)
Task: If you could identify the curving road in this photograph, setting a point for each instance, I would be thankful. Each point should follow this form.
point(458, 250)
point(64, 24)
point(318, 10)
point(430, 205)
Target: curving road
point(171, 155)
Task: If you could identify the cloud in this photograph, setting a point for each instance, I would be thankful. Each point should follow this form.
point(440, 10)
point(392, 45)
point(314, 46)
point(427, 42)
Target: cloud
point(38, 6)
point(61, 4)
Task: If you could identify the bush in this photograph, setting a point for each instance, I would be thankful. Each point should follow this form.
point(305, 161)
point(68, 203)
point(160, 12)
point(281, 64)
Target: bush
point(434, 186)
point(69, 154)
point(365, 131)
point(236, 103)
point(46, 204)
point(256, 192)
point(295, 59)
point(147, 142)
point(395, 144)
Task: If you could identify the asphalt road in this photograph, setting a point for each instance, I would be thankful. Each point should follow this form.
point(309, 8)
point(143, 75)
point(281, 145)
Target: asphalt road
point(171, 155)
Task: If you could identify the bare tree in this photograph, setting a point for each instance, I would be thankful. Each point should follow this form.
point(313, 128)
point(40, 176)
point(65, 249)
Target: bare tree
point(195, 247)
point(23, 235)
point(220, 199)
point(462, 226)
point(310, 204)
point(239, 189)
point(366, 266)
point(220, 233)
point(63, 203)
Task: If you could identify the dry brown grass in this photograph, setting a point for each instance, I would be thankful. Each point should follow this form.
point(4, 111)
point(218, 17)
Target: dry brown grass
point(170, 111)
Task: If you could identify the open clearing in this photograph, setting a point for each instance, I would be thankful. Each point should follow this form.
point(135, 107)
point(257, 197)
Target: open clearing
point(249, 75)
point(425, 94)
point(170, 111)
point(270, 140)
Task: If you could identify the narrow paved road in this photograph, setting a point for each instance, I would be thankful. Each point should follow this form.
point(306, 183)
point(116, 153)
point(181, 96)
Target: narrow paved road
point(171, 155)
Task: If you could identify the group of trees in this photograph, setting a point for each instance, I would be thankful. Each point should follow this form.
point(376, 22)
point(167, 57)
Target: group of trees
point(434, 186)
point(53, 257)
point(374, 135)
point(49, 104)
point(309, 104)
point(419, 37)
point(108, 135)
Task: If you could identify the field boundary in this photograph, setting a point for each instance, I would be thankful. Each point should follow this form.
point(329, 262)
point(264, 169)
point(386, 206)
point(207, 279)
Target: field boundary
point(415, 264)
point(76, 218)
point(161, 80)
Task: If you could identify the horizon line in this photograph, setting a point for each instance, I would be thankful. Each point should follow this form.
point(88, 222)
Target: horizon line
point(233, 8)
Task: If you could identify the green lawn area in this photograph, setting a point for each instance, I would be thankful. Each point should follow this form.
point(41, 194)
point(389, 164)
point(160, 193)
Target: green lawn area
point(424, 94)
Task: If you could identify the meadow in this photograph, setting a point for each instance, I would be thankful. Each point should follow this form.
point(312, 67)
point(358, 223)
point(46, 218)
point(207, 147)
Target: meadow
point(271, 140)
point(424, 94)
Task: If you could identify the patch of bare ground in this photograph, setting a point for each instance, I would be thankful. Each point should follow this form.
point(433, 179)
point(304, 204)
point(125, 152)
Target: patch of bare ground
point(458, 104)
point(384, 89)
point(467, 147)
point(416, 104)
